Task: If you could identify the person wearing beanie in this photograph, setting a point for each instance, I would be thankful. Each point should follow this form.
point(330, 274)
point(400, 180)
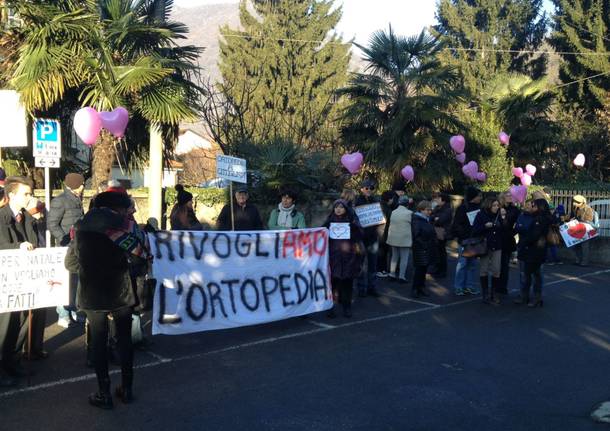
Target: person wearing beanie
point(467, 268)
point(183, 215)
point(66, 209)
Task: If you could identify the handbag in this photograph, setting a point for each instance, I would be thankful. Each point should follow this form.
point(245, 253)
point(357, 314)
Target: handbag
point(553, 237)
point(474, 247)
point(440, 233)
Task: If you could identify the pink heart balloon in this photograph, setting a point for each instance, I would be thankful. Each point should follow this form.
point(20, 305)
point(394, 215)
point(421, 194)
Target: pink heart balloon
point(457, 143)
point(519, 193)
point(352, 162)
point(461, 157)
point(504, 138)
point(531, 170)
point(518, 172)
point(526, 180)
point(579, 160)
point(87, 125)
point(408, 173)
point(481, 176)
point(470, 169)
point(116, 121)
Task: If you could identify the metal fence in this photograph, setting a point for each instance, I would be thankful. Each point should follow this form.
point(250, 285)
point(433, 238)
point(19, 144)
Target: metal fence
point(598, 200)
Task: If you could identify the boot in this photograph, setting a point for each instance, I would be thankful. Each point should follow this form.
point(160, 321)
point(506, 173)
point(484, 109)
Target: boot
point(494, 291)
point(523, 298)
point(102, 398)
point(485, 289)
point(125, 392)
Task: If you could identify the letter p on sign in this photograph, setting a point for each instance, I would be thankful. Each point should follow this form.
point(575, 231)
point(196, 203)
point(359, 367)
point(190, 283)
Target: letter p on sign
point(46, 131)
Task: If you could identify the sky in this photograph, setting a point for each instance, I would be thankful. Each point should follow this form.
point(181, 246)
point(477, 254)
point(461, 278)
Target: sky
point(362, 17)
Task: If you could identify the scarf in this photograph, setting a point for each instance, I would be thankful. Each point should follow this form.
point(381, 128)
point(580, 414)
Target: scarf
point(284, 216)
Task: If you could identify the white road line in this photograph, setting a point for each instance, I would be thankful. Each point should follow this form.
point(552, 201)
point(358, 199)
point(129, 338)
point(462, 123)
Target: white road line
point(392, 295)
point(156, 356)
point(162, 361)
point(590, 274)
point(321, 325)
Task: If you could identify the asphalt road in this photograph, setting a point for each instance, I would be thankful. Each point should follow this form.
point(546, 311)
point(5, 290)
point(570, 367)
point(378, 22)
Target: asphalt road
point(444, 363)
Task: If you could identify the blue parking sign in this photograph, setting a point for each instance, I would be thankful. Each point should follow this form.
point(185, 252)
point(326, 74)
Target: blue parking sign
point(46, 130)
point(46, 135)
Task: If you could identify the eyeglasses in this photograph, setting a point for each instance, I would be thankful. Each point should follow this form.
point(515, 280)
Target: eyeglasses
point(369, 188)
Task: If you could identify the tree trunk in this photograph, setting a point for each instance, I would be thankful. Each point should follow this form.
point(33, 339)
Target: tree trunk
point(103, 159)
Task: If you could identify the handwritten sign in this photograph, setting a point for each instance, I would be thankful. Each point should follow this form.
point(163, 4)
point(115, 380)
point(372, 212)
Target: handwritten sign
point(219, 280)
point(339, 231)
point(575, 232)
point(231, 168)
point(33, 279)
point(471, 216)
point(370, 215)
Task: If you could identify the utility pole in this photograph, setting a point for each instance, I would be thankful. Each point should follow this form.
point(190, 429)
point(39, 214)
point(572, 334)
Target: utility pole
point(155, 177)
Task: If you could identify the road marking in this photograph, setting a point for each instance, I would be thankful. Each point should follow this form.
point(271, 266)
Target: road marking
point(574, 278)
point(321, 325)
point(156, 356)
point(404, 298)
point(270, 340)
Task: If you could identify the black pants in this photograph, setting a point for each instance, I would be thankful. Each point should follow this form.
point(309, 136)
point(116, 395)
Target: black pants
point(534, 271)
point(39, 319)
point(504, 269)
point(419, 277)
point(98, 333)
point(383, 257)
point(10, 341)
point(342, 290)
point(441, 257)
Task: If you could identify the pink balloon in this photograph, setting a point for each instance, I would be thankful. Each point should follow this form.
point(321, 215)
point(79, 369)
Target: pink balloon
point(408, 173)
point(457, 143)
point(481, 176)
point(519, 193)
point(87, 125)
point(579, 161)
point(352, 162)
point(461, 157)
point(470, 169)
point(116, 121)
point(518, 172)
point(504, 138)
point(526, 180)
point(531, 170)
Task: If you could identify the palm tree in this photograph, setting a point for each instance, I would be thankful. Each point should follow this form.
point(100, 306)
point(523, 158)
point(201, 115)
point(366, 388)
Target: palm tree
point(400, 106)
point(114, 53)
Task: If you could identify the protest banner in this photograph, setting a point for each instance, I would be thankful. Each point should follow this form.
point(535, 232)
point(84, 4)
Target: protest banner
point(217, 280)
point(370, 215)
point(575, 232)
point(231, 168)
point(33, 279)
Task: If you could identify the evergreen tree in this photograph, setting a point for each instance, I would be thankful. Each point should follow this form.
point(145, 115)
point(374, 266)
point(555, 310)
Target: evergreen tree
point(583, 26)
point(280, 71)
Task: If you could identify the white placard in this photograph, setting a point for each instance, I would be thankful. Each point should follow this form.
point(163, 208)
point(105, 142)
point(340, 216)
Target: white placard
point(339, 231)
point(219, 280)
point(33, 279)
point(231, 168)
point(575, 232)
point(472, 215)
point(13, 120)
point(370, 215)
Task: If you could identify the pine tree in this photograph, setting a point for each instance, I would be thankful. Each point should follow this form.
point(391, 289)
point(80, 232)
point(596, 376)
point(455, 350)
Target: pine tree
point(583, 26)
point(281, 68)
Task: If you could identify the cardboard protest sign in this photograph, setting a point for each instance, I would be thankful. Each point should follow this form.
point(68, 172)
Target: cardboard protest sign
point(339, 231)
point(231, 168)
point(218, 280)
point(33, 279)
point(471, 216)
point(575, 232)
point(370, 215)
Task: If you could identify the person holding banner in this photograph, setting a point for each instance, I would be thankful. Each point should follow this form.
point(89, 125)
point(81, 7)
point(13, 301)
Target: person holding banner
point(367, 281)
point(245, 215)
point(16, 232)
point(285, 216)
point(105, 239)
point(183, 215)
point(346, 254)
point(584, 214)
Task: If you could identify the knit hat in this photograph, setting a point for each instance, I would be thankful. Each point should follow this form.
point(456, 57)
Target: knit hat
point(2, 176)
point(241, 189)
point(183, 196)
point(112, 200)
point(403, 200)
point(471, 193)
point(74, 181)
point(579, 199)
point(341, 202)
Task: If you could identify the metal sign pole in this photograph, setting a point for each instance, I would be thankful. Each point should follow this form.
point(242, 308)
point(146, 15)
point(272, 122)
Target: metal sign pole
point(231, 199)
point(47, 203)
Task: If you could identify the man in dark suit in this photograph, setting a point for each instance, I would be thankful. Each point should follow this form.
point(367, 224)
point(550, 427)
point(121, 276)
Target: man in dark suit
point(16, 232)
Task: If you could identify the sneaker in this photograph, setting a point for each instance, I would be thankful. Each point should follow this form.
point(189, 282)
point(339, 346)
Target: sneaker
point(64, 322)
point(472, 291)
point(460, 292)
point(382, 274)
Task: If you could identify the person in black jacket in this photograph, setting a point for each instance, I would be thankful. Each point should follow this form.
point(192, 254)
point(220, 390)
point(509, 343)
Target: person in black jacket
point(389, 202)
point(509, 245)
point(467, 268)
point(424, 246)
point(367, 281)
point(533, 249)
point(441, 219)
point(104, 243)
point(490, 224)
point(65, 210)
point(246, 215)
point(16, 232)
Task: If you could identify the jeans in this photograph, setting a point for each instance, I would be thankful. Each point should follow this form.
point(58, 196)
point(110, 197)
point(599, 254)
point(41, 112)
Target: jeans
point(64, 311)
point(367, 279)
point(402, 254)
point(466, 273)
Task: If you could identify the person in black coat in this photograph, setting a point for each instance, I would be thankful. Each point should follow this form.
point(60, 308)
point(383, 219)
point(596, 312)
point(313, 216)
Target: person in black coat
point(346, 256)
point(533, 249)
point(16, 232)
point(101, 257)
point(441, 219)
point(509, 245)
point(467, 268)
point(246, 215)
point(424, 246)
point(367, 281)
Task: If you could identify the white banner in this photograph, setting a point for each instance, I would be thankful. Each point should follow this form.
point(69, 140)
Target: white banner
point(575, 232)
point(370, 215)
point(219, 280)
point(33, 279)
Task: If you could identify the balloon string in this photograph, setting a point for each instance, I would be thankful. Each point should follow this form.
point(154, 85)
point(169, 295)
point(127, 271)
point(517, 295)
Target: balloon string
point(118, 158)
